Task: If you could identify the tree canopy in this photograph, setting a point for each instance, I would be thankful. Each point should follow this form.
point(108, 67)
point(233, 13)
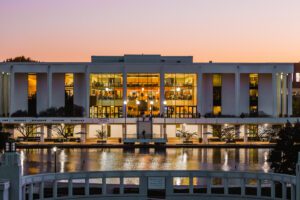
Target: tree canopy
point(20, 59)
point(284, 156)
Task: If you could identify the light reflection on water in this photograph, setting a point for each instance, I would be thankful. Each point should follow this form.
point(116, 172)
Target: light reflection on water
point(68, 160)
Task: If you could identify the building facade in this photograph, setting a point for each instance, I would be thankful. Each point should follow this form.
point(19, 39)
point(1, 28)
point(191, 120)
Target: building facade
point(110, 92)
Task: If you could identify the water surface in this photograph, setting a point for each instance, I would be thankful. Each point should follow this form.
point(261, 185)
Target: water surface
point(35, 161)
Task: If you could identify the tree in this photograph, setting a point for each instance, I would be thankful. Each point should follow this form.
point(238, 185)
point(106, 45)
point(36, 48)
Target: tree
point(101, 134)
point(226, 133)
point(28, 130)
point(185, 135)
point(4, 137)
point(63, 130)
point(20, 59)
point(284, 155)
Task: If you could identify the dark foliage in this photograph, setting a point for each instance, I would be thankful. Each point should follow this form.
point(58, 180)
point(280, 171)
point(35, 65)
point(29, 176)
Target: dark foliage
point(68, 111)
point(20, 113)
point(284, 156)
point(4, 137)
point(20, 59)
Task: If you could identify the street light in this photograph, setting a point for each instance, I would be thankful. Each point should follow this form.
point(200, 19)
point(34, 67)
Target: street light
point(125, 113)
point(54, 149)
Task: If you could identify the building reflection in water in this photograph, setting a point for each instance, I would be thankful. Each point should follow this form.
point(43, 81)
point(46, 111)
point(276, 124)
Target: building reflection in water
point(39, 161)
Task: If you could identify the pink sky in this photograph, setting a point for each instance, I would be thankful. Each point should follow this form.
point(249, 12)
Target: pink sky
point(218, 30)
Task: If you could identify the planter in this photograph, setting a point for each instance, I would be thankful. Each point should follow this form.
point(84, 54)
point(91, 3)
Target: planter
point(101, 141)
point(187, 142)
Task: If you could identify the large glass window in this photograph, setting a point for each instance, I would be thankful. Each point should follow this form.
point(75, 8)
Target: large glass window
point(69, 91)
point(32, 94)
point(217, 94)
point(143, 94)
point(181, 95)
point(253, 94)
point(106, 94)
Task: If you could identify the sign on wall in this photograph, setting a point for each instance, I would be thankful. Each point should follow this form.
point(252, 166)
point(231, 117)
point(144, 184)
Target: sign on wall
point(156, 183)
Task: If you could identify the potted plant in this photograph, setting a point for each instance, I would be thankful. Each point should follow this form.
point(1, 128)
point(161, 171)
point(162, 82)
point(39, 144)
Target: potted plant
point(186, 136)
point(101, 135)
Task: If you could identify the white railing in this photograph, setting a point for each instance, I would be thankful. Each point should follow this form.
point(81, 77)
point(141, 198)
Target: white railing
point(169, 184)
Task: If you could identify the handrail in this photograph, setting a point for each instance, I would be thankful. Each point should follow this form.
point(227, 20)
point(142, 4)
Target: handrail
point(287, 181)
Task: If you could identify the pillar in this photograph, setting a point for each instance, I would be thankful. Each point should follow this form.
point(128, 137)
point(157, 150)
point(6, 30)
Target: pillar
point(49, 79)
point(124, 91)
point(204, 134)
point(274, 93)
point(84, 133)
point(87, 92)
point(49, 134)
point(199, 130)
point(162, 92)
point(42, 138)
point(10, 169)
point(12, 91)
point(245, 133)
point(199, 93)
point(290, 95)
point(237, 94)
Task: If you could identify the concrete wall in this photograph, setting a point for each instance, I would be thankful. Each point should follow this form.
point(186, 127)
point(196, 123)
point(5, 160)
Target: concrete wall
point(58, 90)
point(265, 97)
point(228, 94)
point(171, 131)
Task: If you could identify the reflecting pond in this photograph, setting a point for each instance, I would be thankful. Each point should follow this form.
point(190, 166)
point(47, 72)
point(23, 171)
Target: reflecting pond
point(69, 160)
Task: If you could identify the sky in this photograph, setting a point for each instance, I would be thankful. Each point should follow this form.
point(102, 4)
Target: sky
point(209, 30)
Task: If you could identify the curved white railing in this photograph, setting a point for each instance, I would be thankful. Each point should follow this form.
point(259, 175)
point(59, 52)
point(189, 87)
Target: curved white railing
point(175, 184)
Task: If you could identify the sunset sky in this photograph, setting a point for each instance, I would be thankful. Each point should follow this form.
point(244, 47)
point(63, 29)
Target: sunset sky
point(218, 30)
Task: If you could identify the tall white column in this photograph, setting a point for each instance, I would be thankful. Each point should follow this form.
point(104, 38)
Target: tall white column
point(290, 95)
point(87, 92)
point(49, 78)
point(12, 91)
point(124, 90)
point(84, 133)
point(42, 133)
point(199, 93)
point(162, 91)
point(284, 94)
point(274, 93)
point(237, 94)
point(204, 134)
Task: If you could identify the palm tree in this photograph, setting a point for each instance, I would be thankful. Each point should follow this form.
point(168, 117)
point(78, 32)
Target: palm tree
point(186, 136)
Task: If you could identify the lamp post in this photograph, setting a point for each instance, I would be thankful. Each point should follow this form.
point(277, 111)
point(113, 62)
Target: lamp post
point(125, 114)
point(54, 150)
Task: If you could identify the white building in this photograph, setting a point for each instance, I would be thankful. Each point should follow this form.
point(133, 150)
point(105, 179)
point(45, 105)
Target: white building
point(178, 92)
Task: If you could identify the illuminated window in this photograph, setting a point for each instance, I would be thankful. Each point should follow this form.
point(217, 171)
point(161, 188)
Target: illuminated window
point(217, 110)
point(217, 80)
point(297, 77)
point(217, 94)
point(32, 94)
point(143, 94)
point(253, 94)
point(106, 95)
point(181, 95)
